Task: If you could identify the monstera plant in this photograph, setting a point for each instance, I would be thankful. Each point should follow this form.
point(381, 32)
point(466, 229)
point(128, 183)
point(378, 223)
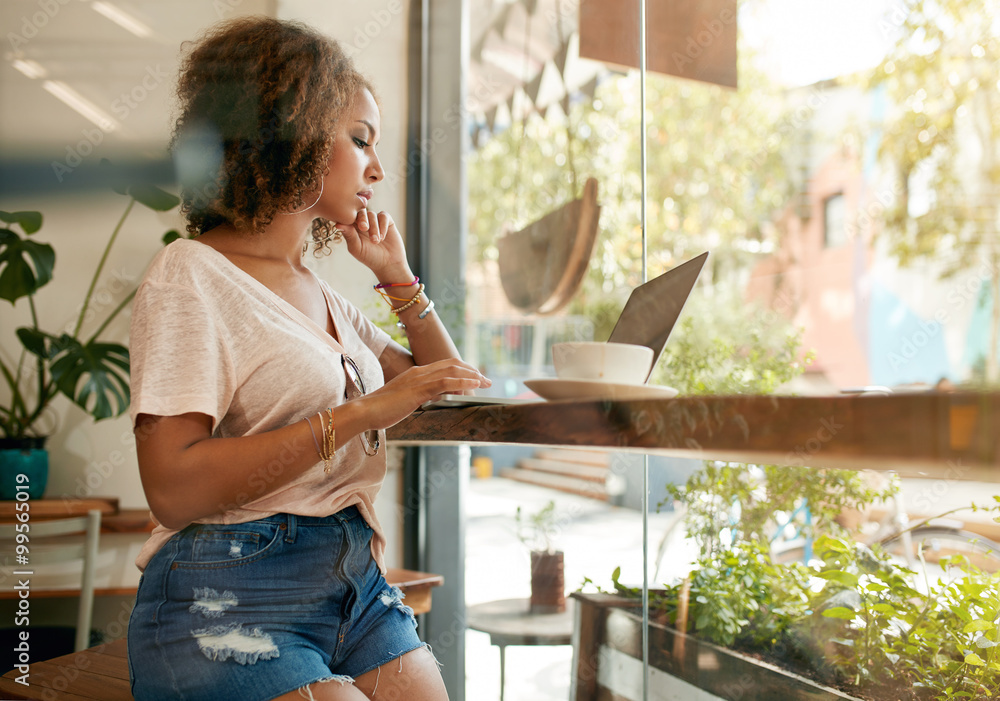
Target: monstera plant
point(92, 373)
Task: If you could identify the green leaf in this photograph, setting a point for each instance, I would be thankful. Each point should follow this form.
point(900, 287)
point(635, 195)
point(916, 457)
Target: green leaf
point(975, 660)
point(978, 625)
point(840, 576)
point(25, 266)
point(170, 236)
point(884, 608)
point(29, 221)
point(33, 341)
point(94, 376)
point(119, 182)
point(840, 612)
point(153, 197)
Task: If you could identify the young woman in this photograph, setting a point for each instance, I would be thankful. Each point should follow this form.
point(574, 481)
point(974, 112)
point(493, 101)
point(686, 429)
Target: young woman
point(260, 394)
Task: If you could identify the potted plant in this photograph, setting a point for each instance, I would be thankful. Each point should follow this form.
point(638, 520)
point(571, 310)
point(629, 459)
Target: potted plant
point(548, 581)
point(92, 373)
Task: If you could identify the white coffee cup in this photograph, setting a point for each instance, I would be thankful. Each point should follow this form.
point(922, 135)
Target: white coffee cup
point(614, 363)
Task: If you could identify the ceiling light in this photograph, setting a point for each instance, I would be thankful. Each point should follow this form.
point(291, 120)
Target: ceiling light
point(81, 104)
point(30, 68)
point(121, 18)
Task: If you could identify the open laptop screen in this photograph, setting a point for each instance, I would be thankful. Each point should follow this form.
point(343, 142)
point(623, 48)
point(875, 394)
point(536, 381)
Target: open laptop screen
point(653, 308)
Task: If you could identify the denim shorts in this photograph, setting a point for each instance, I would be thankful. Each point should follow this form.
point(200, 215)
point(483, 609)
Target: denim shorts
point(254, 610)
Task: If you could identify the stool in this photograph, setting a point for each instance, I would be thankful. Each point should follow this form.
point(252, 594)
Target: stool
point(510, 622)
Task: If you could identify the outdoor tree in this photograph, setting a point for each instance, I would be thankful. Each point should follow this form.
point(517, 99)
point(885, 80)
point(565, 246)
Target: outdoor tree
point(941, 136)
point(716, 173)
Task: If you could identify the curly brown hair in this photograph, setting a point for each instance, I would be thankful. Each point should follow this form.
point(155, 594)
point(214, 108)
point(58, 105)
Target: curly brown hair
point(268, 94)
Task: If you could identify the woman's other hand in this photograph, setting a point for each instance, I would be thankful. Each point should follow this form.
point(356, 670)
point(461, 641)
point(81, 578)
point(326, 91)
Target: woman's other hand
point(403, 394)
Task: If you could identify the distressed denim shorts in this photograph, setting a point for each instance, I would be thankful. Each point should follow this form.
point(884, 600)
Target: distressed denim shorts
point(254, 610)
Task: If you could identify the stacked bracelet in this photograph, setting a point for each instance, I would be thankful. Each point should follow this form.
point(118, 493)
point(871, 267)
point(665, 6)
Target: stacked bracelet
point(381, 289)
point(331, 446)
point(383, 285)
point(326, 449)
point(414, 300)
point(426, 310)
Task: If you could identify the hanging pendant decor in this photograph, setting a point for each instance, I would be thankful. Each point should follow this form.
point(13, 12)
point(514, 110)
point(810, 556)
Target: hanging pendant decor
point(543, 264)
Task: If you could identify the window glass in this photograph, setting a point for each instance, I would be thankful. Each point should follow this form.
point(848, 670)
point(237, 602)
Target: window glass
point(843, 196)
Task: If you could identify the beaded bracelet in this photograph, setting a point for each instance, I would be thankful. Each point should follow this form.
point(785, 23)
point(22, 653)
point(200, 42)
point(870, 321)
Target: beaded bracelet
point(413, 301)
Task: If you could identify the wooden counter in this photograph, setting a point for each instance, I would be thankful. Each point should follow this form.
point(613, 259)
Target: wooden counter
point(953, 435)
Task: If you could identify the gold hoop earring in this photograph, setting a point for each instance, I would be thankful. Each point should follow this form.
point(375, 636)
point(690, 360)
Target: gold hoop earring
point(299, 211)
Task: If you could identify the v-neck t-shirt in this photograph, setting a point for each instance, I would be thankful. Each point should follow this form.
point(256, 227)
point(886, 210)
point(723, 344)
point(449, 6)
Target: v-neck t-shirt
point(208, 337)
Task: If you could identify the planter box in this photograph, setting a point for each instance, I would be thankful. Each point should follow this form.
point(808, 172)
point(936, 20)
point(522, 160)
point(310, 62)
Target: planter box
point(607, 663)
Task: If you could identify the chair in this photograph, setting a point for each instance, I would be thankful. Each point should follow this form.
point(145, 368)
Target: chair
point(59, 540)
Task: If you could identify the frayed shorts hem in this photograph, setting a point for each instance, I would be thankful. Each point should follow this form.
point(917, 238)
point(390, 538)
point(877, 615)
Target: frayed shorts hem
point(395, 657)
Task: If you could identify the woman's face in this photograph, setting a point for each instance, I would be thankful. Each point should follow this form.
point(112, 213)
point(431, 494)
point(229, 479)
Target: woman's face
point(354, 165)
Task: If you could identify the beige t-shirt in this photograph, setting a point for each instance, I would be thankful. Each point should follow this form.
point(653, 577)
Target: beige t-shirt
point(207, 337)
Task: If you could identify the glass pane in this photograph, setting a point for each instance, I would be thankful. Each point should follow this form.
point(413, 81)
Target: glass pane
point(845, 199)
point(553, 252)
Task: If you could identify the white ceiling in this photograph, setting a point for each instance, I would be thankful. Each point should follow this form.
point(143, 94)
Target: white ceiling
point(110, 66)
point(100, 60)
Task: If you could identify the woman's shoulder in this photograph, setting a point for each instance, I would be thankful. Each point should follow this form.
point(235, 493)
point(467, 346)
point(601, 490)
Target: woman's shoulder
point(182, 262)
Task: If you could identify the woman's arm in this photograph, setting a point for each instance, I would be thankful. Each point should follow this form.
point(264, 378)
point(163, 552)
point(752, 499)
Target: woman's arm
point(428, 337)
point(187, 474)
point(376, 242)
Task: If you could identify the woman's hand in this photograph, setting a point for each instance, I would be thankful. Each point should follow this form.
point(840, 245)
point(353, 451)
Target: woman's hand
point(400, 396)
point(376, 243)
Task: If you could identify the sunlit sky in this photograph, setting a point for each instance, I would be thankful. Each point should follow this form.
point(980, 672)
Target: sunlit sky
point(804, 41)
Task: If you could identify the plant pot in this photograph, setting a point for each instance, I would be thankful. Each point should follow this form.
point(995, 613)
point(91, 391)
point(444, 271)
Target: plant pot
point(607, 662)
point(24, 468)
point(548, 582)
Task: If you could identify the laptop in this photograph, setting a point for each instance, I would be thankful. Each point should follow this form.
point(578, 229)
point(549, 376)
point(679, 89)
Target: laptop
point(650, 314)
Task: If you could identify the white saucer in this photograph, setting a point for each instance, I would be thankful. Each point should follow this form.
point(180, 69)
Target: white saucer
point(554, 388)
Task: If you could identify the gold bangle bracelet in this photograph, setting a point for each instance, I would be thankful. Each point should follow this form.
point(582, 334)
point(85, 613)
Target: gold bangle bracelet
point(330, 443)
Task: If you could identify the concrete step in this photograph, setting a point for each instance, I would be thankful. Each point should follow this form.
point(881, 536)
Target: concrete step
point(597, 458)
point(582, 471)
point(571, 485)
